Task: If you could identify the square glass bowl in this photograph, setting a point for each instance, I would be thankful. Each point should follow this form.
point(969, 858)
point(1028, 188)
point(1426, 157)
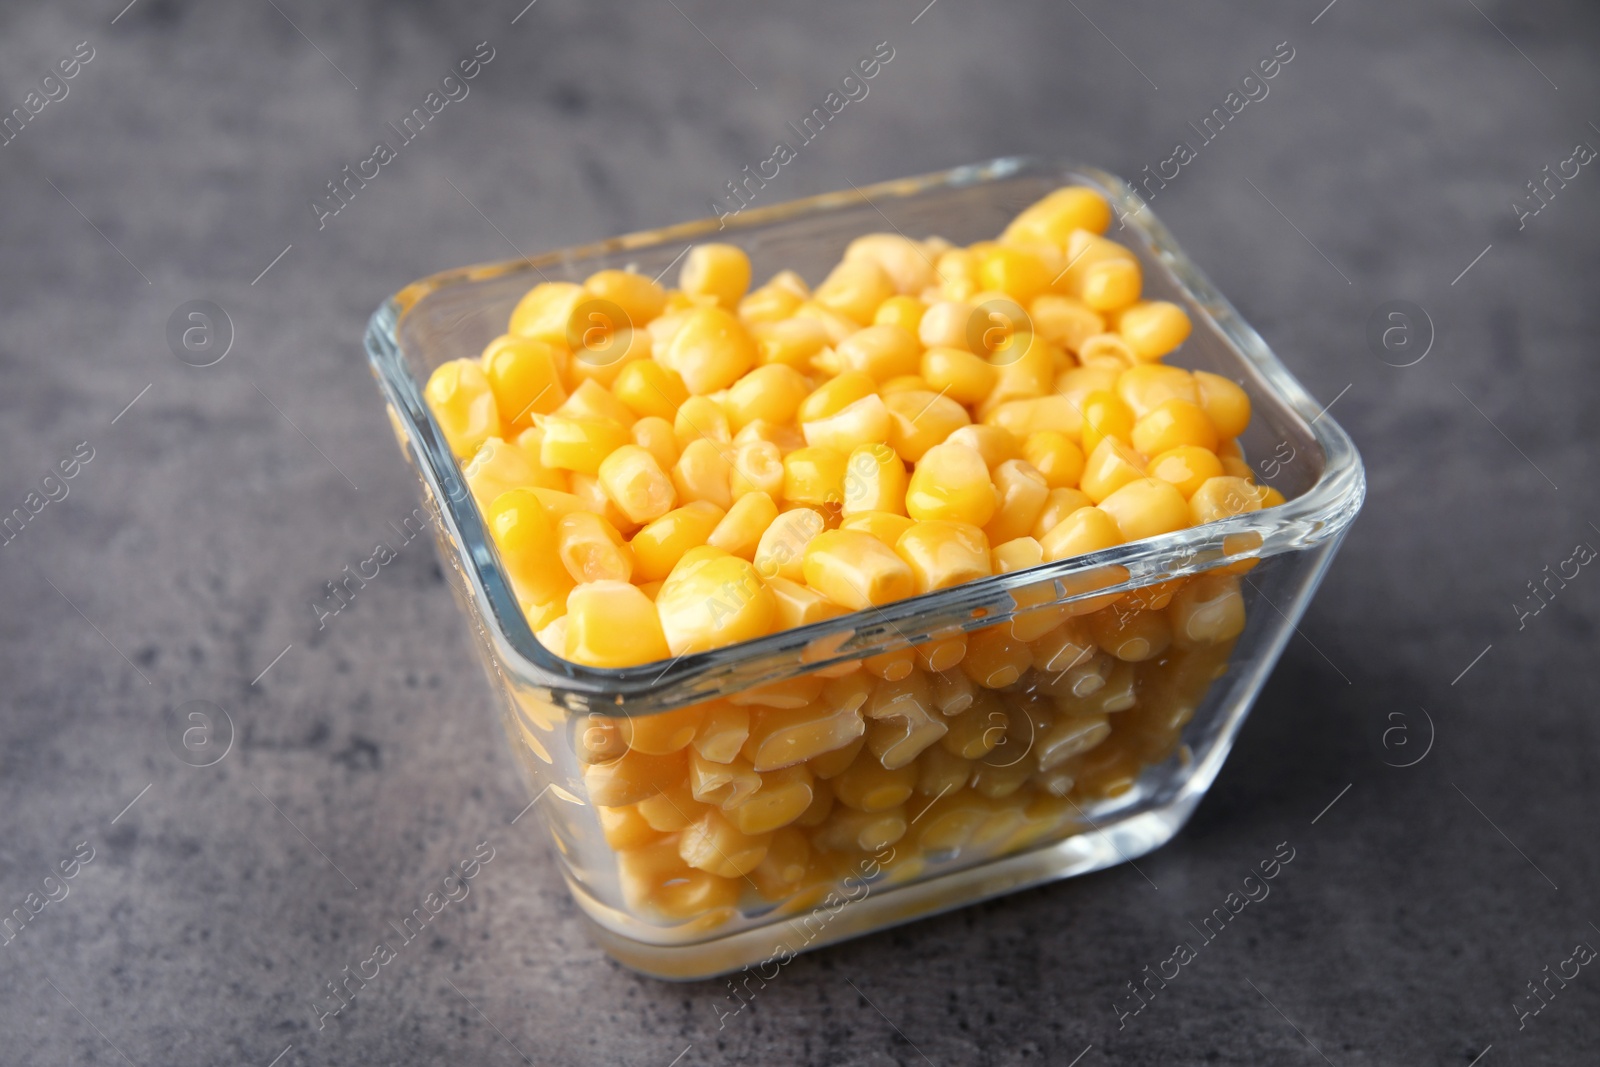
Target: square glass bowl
point(1068, 746)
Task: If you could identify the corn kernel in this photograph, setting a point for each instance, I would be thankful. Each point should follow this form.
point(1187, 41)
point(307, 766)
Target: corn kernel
point(718, 271)
point(725, 785)
point(886, 526)
point(993, 443)
point(941, 554)
point(1148, 386)
point(1111, 464)
point(891, 666)
point(961, 375)
point(918, 420)
point(463, 402)
point(772, 392)
point(940, 772)
point(1107, 350)
point(603, 348)
point(1187, 467)
point(648, 388)
point(624, 828)
point(579, 444)
point(1057, 506)
point(756, 467)
point(862, 422)
point(902, 311)
point(713, 601)
point(546, 310)
point(1105, 415)
point(1209, 610)
point(715, 845)
point(636, 484)
point(875, 480)
point(834, 395)
point(722, 732)
point(1084, 530)
point(1055, 217)
point(786, 438)
point(783, 797)
point(702, 473)
point(868, 786)
point(942, 654)
point(1027, 365)
point(527, 542)
point(612, 624)
point(671, 810)
point(660, 545)
point(785, 737)
point(640, 298)
point(710, 351)
point(854, 289)
point(592, 550)
point(635, 777)
point(863, 831)
point(799, 606)
point(1023, 494)
point(525, 378)
point(1017, 554)
point(1153, 328)
point(1071, 736)
point(768, 304)
point(976, 731)
point(908, 266)
point(902, 721)
point(654, 434)
point(881, 352)
point(1270, 497)
point(1171, 424)
point(497, 467)
point(591, 400)
point(1131, 636)
point(1222, 497)
point(529, 442)
point(792, 342)
point(856, 570)
point(1225, 403)
point(780, 553)
point(591, 496)
point(951, 482)
point(1147, 507)
point(995, 658)
point(739, 532)
point(1018, 273)
point(953, 693)
point(837, 327)
point(947, 324)
point(815, 477)
point(1024, 418)
point(701, 417)
point(1064, 321)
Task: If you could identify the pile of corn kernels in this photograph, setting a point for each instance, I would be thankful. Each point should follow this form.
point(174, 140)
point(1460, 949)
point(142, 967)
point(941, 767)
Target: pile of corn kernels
point(670, 471)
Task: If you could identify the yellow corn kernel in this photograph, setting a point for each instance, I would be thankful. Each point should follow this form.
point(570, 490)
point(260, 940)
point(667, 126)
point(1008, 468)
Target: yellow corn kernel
point(636, 484)
point(462, 401)
point(863, 422)
point(1056, 456)
point(866, 785)
point(1236, 467)
point(995, 658)
point(783, 737)
point(660, 545)
point(1027, 364)
point(665, 327)
point(1173, 423)
point(918, 420)
point(772, 392)
point(529, 442)
point(837, 327)
point(635, 777)
point(903, 720)
point(525, 378)
point(942, 654)
point(784, 795)
point(1225, 403)
point(902, 311)
point(1013, 271)
point(701, 417)
point(798, 605)
point(739, 532)
point(664, 886)
point(654, 434)
point(1270, 497)
point(886, 526)
point(1084, 530)
point(1105, 415)
point(891, 666)
point(834, 395)
point(702, 473)
point(789, 280)
point(640, 298)
point(546, 311)
point(1107, 350)
point(497, 467)
point(947, 324)
point(881, 352)
point(792, 342)
point(1131, 636)
point(718, 271)
point(648, 388)
point(664, 732)
point(854, 289)
point(830, 765)
point(907, 263)
point(527, 542)
point(712, 601)
point(1064, 321)
point(1209, 610)
point(905, 383)
point(1023, 495)
point(603, 348)
point(725, 785)
point(710, 351)
point(579, 444)
point(993, 443)
point(856, 570)
point(1221, 497)
point(976, 731)
point(1153, 328)
point(1017, 554)
point(592, 550)
point(941, 554)
point(1001, 779)
point(1187, 467)
point(1146, 387)
point(722, 732)
point(940, 772)
point(957, 269)
point(757, 467)
point(671, 810)
point(875, 480)
point(780, 553)
point(1067, 646)
point(862, 831)
point(784, 868)
point(1055, 217)
point(1147, 507)
point(951, 482)
point(612, 624)
point(715, 845)
point(591, 496)
point(768, 304)
point(959, 374)
point(786, 438)
point(1024, 418)
point(624, 828)
point(814, 477)
point(1072, 735)
point(953, 693)
point(591, 400)
point(1111, 465)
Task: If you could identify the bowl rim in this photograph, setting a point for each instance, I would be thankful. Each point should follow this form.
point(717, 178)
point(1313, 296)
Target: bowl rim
point(1319, 514)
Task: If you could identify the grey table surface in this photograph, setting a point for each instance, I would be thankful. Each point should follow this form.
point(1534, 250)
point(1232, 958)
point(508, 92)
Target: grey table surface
point(1384, 164)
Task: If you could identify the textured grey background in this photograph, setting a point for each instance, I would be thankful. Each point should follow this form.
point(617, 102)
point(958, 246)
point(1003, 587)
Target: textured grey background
point(192, 545)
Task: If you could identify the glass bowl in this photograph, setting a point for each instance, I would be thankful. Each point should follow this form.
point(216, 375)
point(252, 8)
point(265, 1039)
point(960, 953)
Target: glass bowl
point(1082, 759)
